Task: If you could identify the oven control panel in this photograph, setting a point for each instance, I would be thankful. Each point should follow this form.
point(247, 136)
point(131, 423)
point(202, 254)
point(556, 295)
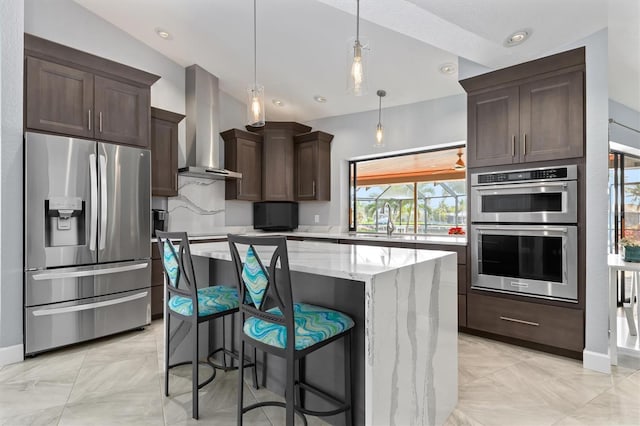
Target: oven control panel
point(553, 173)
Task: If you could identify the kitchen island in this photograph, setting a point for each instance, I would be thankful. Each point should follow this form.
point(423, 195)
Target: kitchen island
point(405, 342)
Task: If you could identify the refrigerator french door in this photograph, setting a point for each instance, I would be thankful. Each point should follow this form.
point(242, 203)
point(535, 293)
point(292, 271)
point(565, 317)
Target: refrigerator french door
point(87, 240)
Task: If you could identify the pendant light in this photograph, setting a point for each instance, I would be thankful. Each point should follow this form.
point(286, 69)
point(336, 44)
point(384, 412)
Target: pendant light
point(358, 53)
point(255, 104)
point(379, 129)
point(459, 164)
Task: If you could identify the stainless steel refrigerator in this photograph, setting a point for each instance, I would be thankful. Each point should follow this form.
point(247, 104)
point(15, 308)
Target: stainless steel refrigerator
point(87, 240)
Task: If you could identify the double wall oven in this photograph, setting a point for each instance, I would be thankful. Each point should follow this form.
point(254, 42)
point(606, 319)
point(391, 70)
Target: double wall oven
point(523, 234)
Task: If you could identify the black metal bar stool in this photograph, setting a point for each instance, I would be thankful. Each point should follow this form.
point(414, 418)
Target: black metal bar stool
point(192, 305)
point(270, 319)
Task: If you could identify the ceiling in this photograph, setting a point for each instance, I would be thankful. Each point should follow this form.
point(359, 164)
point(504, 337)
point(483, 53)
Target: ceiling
point(303, 45)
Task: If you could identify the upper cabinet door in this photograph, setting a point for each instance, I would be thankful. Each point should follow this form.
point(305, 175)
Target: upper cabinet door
point(249, 162)
point(122, 112)
point(306, 173)
point(164, 158)
point(552, 118)
point(59, 99)
point(493, 122)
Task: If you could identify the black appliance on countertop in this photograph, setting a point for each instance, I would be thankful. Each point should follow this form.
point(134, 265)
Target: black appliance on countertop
point(160, 220)
point(275, 215)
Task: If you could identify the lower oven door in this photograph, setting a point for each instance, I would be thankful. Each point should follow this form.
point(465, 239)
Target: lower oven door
point(533, 260)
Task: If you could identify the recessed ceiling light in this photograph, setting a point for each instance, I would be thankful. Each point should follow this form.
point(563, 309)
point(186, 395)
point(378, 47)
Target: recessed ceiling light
point(517, 38)
point(277, 102)
point(448, 68)
point(163, 33)
point(320, 99)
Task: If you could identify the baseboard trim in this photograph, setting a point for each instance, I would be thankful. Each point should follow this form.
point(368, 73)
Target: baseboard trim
point(633, 353)
point(11, 354)
point(596, 361)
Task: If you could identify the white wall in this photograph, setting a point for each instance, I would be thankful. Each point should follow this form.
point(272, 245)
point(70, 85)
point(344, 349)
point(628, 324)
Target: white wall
point(11, 48)
point(409, 126)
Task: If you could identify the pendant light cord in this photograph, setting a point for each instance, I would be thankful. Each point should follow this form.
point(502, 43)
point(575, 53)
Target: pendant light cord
point(357, 21)
point(380, 109)
point(255, 48)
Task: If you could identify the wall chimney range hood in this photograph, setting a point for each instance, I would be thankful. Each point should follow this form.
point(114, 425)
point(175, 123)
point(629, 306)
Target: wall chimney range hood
point(203, 132)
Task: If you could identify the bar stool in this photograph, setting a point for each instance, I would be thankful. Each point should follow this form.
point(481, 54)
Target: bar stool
point(192, 305)
point(270, 319)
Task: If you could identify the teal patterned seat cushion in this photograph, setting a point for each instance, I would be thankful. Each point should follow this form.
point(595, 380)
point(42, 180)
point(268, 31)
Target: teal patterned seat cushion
point(313, 325)
point(211, 300)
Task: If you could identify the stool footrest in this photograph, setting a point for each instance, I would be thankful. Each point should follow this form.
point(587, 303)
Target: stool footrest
point(342, 406)
point(232, 354)
point(274, 404)
point(208, 380)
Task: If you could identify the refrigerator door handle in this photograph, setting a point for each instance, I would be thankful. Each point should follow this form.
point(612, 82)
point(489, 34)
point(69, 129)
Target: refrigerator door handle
point(55, 275)
point(87, 306)
point(103, 201)
point(94, 203)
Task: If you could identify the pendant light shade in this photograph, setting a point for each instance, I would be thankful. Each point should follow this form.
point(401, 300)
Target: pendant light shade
point(255, 98)
point(379, 129)
point(459, 164)
point(358, 53)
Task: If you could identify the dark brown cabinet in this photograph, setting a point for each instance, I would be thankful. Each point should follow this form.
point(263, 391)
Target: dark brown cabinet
point(122, 112)
point(164, 152)
point(278, 158)
point(78, 94)
point(527, 113)
point(59, 98)
point(544, 324)
point(243, 153)
point(493, 126)
point(552, 118)
point(157, 283)
point(312, 168)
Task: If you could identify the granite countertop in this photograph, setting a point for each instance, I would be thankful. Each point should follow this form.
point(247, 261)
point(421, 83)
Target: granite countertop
point(399, 238)
point(353, 262)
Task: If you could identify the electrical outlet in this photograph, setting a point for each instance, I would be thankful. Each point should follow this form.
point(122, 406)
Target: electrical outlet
point(316, 218)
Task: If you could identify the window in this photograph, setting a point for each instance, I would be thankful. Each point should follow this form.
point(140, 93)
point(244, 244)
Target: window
point(423, 193)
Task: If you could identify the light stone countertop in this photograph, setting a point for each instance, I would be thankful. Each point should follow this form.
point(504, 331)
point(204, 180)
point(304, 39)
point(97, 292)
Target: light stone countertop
point(354, 262)
point(397, 238)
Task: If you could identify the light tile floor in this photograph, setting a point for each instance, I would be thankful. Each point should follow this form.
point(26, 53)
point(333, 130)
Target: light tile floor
point(118, 380)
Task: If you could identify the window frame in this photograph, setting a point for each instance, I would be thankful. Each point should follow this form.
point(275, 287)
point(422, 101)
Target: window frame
point(352, 204)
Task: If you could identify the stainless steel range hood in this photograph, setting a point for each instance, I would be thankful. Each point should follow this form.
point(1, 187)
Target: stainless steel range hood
point(203, 132)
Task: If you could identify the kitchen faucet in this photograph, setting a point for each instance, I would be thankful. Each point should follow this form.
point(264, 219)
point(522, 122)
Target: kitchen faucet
point(390, 227)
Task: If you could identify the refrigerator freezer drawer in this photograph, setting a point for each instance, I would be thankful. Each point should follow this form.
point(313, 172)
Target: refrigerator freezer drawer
point(61, 324)
point(66, 284)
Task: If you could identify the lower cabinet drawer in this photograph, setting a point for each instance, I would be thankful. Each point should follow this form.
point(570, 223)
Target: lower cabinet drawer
point(549, 325)
point(157, 272)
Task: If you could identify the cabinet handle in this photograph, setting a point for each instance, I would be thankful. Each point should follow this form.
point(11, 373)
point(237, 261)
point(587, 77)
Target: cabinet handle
point(535, 324)
point(100, 122)
point(524, 142)
point(314, 188)
point(513, 145)
point(89, 116)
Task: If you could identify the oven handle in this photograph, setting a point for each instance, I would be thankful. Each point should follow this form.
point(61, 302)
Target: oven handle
point(523, 185)
point(561, 229)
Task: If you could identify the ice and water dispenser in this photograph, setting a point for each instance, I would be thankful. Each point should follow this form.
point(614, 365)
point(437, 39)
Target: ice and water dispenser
point(65, 219)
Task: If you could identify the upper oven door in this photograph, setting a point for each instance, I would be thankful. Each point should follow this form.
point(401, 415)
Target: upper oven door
point(532, 202)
